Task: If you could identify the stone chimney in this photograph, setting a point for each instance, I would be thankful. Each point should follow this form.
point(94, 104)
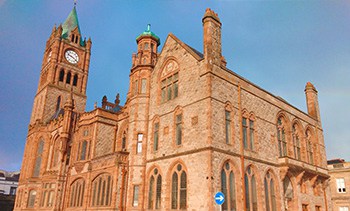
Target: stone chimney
point(212, 38)
point(312, 101)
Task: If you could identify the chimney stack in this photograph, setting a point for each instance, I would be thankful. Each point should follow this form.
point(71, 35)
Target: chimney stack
point(212, 38)
point(312, 101)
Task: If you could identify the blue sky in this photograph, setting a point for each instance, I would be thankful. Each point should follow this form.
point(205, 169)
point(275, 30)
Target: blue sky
point(278, 45)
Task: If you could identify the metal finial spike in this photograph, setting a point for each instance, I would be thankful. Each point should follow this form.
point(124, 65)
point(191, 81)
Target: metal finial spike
point(148, 27)
point(75, 2)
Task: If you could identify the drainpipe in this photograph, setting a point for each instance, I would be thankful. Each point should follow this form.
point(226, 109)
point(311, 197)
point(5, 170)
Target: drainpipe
point(242, 146)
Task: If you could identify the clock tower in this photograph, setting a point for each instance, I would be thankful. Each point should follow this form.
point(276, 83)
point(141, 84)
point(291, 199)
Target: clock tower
point(64, 69)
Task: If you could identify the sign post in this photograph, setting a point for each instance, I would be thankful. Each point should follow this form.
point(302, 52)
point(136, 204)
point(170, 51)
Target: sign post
point(219, 199)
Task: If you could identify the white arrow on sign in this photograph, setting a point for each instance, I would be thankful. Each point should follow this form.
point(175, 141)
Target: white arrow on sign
point(220, 198)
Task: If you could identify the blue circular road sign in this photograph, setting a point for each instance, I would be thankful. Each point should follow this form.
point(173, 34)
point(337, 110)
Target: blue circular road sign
point(219, 198)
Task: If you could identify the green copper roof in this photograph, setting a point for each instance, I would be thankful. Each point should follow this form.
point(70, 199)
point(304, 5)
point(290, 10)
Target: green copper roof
point(148, 32)
point(70, 24)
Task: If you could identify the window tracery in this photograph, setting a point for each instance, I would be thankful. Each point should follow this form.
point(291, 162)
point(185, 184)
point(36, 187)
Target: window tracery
point(101, 190)
point(310, 153)
point(155, 190)
point(281, 137)
point(77, 193)
point(38, 158)
point(251, 199)
point(169, 81)
point(248, 127)
point(296, 141)
point(179, 188)
point(228, 187)
point(270, 192)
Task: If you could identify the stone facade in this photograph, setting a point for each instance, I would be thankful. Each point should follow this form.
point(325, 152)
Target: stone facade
point(190, 127)
point(339, 183)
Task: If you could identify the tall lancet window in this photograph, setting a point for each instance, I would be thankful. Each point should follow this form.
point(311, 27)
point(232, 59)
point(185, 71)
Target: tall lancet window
point(38, 158)
point(281, 137)
point(296, 142)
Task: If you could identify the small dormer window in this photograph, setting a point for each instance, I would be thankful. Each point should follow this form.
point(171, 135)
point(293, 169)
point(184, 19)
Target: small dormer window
point(76, 39)
point(72, 39)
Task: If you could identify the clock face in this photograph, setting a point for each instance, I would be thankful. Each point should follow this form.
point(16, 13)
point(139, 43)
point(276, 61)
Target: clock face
point(71, 57)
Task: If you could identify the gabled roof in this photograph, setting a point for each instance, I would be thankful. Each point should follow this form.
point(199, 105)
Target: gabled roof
point(196, 54)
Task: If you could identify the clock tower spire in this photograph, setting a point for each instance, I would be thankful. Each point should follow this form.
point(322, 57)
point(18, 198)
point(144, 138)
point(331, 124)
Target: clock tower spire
point(65, 67)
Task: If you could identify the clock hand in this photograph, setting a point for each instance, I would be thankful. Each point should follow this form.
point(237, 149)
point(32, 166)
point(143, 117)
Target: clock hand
point(72, 57)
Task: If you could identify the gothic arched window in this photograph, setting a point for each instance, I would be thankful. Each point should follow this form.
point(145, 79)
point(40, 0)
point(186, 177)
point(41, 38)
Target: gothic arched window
point(310, 152)
point(169, 81)
point(83, 150)
point(75, 80)
point(288, 191)
point(179, 188)
point(251, 199)
point(101, 190)
point(47, 195)
point(270, 193)
point(77, 193)
point(178, 128)
point(228, 187)
point(31, 199)
point(155, 135)
point(155, 190)
point(228, 124)
point(38, 158)
point(296, 142)
point(69, 75)
point(248, 130)
point(281, 137)
point(61, 76)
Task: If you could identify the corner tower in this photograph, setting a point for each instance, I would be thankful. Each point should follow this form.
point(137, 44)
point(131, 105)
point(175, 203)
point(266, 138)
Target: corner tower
point(65, 67)
point(138, 99)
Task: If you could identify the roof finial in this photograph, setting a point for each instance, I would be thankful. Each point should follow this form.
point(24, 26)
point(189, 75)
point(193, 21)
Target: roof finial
point(148, 27)
point(75, 3)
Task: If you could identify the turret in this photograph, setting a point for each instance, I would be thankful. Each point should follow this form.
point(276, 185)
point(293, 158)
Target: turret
point(143, 62)
point(312, 101)
point(147, 48)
